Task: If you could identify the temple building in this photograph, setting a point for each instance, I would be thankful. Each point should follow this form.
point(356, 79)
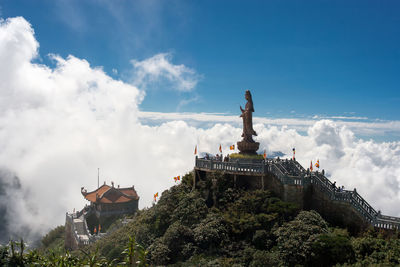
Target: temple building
point(109, 200)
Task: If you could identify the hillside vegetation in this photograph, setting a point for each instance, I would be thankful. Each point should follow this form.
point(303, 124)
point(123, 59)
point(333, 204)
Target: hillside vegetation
point(242, 228)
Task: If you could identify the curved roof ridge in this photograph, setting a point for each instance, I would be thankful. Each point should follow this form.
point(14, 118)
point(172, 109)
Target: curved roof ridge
point(110, 194)
point(99, 188)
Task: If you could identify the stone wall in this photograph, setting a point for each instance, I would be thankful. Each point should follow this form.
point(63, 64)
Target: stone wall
point(334, 212)
point(69, 242)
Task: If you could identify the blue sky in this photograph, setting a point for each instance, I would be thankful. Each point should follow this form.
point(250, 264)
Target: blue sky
point(299, 58)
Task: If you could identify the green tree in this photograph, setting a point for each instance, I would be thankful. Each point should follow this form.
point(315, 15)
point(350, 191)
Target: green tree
point(295, 238)
point(256, 210)
point(210, 232)
point(190, 210)
point(332, 248)
point(135, 254)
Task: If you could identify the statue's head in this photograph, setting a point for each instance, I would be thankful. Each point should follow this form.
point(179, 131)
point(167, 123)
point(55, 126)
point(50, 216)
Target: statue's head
point(247, 95)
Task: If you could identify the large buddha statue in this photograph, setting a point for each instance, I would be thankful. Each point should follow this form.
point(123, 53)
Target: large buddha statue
point(247, 145)
point(247, 116)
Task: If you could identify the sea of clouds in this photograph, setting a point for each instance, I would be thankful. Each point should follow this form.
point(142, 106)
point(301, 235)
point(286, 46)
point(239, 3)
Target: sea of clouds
point(59, 124)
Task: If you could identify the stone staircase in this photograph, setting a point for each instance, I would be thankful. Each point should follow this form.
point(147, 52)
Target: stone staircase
point(77, 233)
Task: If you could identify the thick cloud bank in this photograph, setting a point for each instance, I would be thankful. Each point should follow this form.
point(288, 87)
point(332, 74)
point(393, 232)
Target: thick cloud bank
point(58, 125)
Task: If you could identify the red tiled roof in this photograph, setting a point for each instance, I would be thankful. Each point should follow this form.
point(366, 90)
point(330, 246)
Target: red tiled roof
point(129, 191)
point(108, 194)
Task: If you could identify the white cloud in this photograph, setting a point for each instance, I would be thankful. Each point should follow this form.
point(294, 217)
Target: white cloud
point(340, 117)
point(58, 125)
point(159, 68)
point(187, 101)
point(368, 128)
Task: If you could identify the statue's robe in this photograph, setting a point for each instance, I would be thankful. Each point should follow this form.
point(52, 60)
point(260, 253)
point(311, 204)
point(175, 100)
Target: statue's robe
point(247, 115)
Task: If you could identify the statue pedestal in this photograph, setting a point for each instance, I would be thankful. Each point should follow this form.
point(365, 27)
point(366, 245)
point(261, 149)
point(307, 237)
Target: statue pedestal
point(247, 147)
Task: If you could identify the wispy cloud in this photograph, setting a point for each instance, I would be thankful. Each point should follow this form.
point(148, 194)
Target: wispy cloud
point(159, 69)
point(146, 21)
point(187, 101)
point(340, 117)
point(70, 13)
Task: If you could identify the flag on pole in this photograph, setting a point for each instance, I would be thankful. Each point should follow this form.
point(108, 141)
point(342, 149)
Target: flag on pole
point(155, 197)
point(265, 154)
point(220, 148)
point(317, 164)
point(311, 168)
point(195, 150)
point(294, 153)
point(232, 147)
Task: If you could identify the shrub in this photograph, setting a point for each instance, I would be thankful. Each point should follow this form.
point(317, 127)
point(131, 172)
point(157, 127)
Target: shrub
point(53, 235)
point(176, 237)
point(228, 196)
point(256, 210)
point(187, 180)
point(264, 258)
point(210, 232)
point(144, 234)
point(159, 253)
point(330, 249)
point(262, 239)
point(296, 237)
point(159, 217)
point(372, 249)
point(190, 210)
point(3, 255)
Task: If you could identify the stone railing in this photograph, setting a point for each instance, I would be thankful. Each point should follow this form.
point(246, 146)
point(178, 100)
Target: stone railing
point(231, 166)
point(92, 238)
point(387, 222)
point(70, 220)
point(304, 178)
point(351, 197)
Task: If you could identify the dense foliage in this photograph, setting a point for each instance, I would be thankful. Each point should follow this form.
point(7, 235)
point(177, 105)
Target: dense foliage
point(218, 225)
point(243, 228)
point(53, 240)
point(14, 254)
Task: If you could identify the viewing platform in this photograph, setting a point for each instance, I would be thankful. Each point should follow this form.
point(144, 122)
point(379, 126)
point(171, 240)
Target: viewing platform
point(291, 173)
